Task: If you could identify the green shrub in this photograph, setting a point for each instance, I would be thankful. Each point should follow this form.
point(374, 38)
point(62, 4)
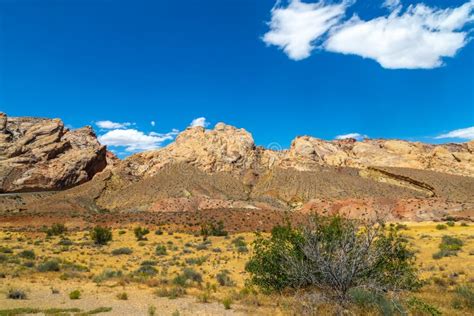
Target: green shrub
point(364, 254)
point(140, 233)
point(420, 307)
point(227, 302)
point(122, 296)
point(160, 250)
point(107, 274)
point(101, 235)
point(5, 250)
point(158, 232)
point(65, 242)
point(75, 295)
point(172, 293)
point(441, 227)
point(449, 246)
point(56, 230)
point(196, 261)
point(186, 275)
point(224, 279)
point(450, 223)
point(465, 293)
point(146, 270)
point(49, 266)
point(122, 251)
point(16, 294)
point(27, 254)
point(213, 229)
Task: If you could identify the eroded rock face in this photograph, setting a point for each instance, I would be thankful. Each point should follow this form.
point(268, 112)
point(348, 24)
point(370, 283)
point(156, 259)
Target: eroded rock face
point(228, 149)
point(41, 154)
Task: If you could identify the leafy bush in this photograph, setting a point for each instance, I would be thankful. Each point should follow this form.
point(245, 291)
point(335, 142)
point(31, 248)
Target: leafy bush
point(449, 246)
point(158, 232)
point(465, 294)
point(75, 295)
point(5, 250)
point(227, 302)
point(172, 293)
point(27, 254)
point(122, 251)
point(122, 296)
point(213, 229)
point(186, 275)
point(101, 235)
point(146, 270)
point(16, 294)
point(419, 306)
point(140, 233)
point(450, 223)
point(365, 255)
point(224, 279)
point(196, 261)
point(49, 266)
point(107, 274)
point(441, 227)
point(56, 230)
point(160, 250)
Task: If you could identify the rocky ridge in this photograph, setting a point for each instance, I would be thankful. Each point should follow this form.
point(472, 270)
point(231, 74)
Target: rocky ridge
point(41, 154)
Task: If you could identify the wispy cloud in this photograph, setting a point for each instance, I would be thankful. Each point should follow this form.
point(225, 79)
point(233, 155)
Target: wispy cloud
point(134, 140)
point(112, 125)
point(356, 136)
point(463, 133)
point(200, 121)
point(418, 37)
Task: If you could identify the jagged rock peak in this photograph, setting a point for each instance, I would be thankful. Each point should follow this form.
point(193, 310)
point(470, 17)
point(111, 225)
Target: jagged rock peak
point(41, 154)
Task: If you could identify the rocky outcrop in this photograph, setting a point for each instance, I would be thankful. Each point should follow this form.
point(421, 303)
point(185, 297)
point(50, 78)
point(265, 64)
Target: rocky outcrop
point(226, 148)
point(41, 154)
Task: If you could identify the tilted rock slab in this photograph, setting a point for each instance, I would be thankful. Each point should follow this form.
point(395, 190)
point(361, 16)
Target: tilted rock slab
point(41, 154)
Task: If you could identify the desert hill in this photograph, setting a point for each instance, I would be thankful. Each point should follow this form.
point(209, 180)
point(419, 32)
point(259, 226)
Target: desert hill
point(221, 171)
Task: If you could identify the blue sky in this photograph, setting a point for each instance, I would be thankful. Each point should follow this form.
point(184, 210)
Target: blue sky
point(295, 68)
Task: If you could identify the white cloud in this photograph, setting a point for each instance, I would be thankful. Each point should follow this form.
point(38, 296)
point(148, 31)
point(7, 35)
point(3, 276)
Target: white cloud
point(153, 123)
point(200, 121)
point(463, 133)
point(295, 28)
point(419, 37)
point(391, 4)
point(134, 140)
point(356, 136)
point(112, 125)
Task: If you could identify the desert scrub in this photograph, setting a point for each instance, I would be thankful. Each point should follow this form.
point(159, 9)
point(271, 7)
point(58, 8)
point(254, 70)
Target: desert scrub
point(196, 261)
point(122, 251)
point(16, 294)
point(365, 254)
point(27, 254)
point(75, 295)
point(4, 249)
point(172, 293)
point(213, 229)
point(464, 297)
point(224, 279)
point(140, 233)
point(449, 246)
point(101, 235)
point(122, 296)
point(227, 302)
point(187, 276)
point(56, 230)
point(160, 250)
point(107, 274)
point(49, 266)
point(441, 227)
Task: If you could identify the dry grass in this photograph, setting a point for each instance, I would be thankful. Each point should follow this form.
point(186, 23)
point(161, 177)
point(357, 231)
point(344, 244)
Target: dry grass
point(103, 276)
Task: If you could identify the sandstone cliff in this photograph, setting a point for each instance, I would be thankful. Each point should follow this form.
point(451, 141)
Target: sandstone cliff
point(41, 154)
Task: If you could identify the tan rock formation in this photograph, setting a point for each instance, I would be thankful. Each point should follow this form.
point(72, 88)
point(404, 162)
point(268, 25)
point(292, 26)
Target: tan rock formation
point(41, 154)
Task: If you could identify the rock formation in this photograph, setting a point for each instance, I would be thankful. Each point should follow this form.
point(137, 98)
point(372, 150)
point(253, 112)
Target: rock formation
point(41, 154)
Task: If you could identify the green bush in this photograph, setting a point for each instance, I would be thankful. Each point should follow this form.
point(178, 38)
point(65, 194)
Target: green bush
point(449, 246)
point(122, 296)
point(122, 251)
point(146, 270)
point(441, 227)
point(160, 250)
point(363, 254)
point(186, 275)
point(420, 307)
point(27, 254)
point(171, 293)
point(75, 295)
point(450, 223)
point(465, 294)
point(227, 302)
point(56, 230)
point(140, 233)
point(224, 279)
point(101, 235)
point(213, 229)
point(16, 294)
point(49, 266)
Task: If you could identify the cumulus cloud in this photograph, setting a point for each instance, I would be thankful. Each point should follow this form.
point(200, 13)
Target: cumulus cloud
point(419, 37)
point(134, 140)
point(356, 136)
point(463, 133)
point(296, 28)
point(200, 121)
point(112, 125)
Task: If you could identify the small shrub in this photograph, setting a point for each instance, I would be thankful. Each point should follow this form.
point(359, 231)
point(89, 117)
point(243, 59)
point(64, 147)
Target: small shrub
point(5, 250)
point(49, 266)
point(213, 229)
point(227, 302)
point(449, 246)
point(75, 295)
point(171, 293)
point(151, 310)
point(464, 224)
point(465, 294)
point(107, 274)
point(418, 306)
point(122, 251)
point(186, 275)
point(196, 261)
point(27, 254)
point(146, 270)
point(122, 296)
point(160, 250)
point(140, 233)
point(101, 235)
point(158, 232)
point(65, 242)
point(450, 223)
point(16, 294)
point(56, 230)
point(204, 297)
point(224, 279)
point(441, 227)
